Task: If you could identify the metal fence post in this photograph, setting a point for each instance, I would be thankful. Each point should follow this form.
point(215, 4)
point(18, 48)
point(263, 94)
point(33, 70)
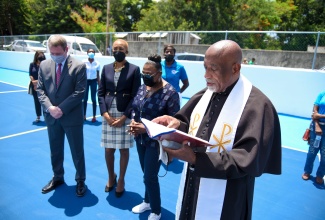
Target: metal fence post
point(315, 52)
point(110, 44)
point(159, 42)
point(226, 36)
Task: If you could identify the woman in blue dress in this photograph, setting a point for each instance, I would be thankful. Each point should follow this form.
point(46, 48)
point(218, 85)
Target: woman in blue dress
point(155, 97)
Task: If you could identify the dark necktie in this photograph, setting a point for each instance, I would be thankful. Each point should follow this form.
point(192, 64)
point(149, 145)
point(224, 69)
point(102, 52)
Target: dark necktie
point(58, 75)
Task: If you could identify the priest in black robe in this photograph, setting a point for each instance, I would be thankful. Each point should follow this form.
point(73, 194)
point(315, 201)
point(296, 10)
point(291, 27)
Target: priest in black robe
point(254, 149)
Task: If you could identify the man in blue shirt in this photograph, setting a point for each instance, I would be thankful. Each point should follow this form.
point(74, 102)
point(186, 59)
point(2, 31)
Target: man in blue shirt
point(172, 71)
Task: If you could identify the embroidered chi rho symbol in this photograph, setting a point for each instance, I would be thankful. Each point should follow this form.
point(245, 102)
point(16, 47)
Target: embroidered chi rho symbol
point(192, 126)
point(221, 142)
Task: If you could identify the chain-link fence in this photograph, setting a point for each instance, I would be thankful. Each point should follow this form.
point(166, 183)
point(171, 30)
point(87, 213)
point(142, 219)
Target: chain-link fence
point(284, 49)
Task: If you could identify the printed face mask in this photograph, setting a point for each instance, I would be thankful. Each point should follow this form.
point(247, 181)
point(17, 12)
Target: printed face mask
point(119, 56)
point(148, 80)
point(91, 55)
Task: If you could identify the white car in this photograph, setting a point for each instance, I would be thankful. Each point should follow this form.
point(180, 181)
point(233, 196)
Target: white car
point(189, 56)
point(8, 46)
point(44, 43)
point(80, 45)
point(27, 46)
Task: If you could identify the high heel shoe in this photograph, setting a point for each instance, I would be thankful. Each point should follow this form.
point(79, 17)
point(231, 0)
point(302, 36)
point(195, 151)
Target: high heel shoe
point(119, 194)
point(110, 188)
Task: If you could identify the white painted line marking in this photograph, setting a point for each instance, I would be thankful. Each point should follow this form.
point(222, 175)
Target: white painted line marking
point(26, 132)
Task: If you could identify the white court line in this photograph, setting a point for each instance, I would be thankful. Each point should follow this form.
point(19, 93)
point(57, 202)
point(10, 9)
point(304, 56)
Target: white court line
point(13, 91)
point(13, 84)
point(304, 151)
point(40, 129)
point(31, 131)
point(26, 132)
point(291, 148)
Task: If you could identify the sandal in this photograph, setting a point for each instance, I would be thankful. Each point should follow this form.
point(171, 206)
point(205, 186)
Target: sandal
point(305, 176)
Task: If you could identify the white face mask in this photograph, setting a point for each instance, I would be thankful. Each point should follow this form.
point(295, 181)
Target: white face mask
point(91, 55)
point(58, 59)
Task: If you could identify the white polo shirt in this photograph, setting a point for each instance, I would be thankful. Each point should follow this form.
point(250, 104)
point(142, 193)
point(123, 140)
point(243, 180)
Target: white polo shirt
point(92, 69)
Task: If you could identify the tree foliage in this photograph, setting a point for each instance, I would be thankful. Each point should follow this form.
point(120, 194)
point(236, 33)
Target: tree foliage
point(12, 17)
point(126, 13)
point(308, 16)
point(165, 15)
point(53, 16)
point(88, 20)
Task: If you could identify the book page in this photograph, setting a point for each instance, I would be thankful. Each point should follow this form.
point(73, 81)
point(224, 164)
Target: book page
point(161, 132)
point(155, 130)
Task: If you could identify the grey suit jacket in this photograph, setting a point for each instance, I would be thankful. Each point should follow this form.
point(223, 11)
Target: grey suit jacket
point(68, 96)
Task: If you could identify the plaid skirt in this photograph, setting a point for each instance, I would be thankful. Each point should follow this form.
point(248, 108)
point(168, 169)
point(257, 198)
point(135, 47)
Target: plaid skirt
point(116, 138)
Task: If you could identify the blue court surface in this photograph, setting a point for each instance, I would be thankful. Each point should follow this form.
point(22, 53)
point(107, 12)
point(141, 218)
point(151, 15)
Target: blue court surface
point(25, 168)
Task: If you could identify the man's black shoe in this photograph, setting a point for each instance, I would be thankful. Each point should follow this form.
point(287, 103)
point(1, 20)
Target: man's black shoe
point(52, 185)
point(81, 188)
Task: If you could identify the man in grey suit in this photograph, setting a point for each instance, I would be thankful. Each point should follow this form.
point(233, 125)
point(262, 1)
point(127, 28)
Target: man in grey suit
point(61, 86)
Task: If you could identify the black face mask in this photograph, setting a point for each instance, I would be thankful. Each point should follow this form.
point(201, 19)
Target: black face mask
point(148, 81)
point(119, 56)
point(40, 59)
point(169, 57)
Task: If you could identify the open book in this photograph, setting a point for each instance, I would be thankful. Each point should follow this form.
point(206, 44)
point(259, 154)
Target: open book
point(160, 132)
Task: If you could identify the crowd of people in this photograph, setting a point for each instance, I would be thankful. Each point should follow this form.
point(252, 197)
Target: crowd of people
point(251, 62)
point(234, 116)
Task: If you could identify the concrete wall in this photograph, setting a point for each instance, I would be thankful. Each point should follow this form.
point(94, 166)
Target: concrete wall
point(292, 90)
point(293, 59)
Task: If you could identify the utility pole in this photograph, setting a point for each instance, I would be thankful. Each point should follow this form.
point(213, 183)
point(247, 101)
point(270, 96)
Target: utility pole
point(107, 26)
point(9, 24)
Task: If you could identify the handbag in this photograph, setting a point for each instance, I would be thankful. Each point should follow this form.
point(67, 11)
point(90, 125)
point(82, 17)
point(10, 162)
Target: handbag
point(306, 135)
point(30, 90)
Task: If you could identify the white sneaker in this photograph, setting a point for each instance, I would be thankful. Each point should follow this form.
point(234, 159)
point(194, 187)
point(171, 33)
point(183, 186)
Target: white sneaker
point(154, 216)
point(141, 207)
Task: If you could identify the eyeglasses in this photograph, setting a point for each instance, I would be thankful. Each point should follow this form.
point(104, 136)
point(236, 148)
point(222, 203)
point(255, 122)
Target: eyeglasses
point(148, 76)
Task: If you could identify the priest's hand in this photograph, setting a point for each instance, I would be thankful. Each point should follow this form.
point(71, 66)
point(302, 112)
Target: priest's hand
point(168, 121)
point(185, 153)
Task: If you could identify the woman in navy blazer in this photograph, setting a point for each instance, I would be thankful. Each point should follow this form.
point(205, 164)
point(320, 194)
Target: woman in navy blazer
point(119, 84)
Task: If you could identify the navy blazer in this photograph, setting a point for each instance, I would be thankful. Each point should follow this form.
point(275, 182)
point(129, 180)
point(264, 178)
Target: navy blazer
point(126, 89)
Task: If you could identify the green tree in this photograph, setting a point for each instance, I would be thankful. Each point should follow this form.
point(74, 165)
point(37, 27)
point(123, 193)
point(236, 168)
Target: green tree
point(12, 17)
point(165, 15)
point(308, 16)
point(51, 16)
point(214, 15)
point(126, 13)
point(257, 15)
point(88, 20)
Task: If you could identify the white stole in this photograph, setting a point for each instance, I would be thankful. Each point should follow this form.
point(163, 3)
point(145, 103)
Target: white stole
point(212, 191)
